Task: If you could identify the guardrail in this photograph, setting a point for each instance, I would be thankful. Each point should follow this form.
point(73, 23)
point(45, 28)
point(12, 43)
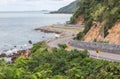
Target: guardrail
point(104, 47)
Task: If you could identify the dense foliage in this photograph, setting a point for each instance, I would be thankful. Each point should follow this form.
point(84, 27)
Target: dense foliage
point(106, 12)
point(47, 63)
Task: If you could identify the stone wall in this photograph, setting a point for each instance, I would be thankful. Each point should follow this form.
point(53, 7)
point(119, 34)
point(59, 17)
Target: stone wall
point(104, 47)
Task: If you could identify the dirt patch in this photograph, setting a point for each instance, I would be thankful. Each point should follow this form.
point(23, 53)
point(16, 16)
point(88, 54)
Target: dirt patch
point(79, 20)
point(94, 34)
point(114, 34)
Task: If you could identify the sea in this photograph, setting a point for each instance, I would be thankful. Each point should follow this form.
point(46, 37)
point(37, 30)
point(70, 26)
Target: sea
point(17, 28)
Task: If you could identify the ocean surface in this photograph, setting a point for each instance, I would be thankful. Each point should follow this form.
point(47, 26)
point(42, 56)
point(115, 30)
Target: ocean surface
point(16, 29)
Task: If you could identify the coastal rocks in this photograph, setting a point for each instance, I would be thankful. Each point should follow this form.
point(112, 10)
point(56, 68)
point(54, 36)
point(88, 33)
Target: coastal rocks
point(13, 56)
point(48, 30)
point(23, 53)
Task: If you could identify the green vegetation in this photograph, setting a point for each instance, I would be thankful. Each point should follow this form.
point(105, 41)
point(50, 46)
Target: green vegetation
point(79, 35)
point(46, 63)
point(106, 12)
point(71, 8)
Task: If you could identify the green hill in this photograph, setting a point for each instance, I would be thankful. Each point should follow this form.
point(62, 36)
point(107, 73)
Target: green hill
point(71, 8)
point(105, 12)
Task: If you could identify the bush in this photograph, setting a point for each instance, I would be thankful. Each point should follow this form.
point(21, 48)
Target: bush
point(59, 64)
point(79, 36)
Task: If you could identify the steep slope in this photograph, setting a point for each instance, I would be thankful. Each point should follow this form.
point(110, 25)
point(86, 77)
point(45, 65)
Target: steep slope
point(71, 8)
point(94, 34)
point(114, 34)
point(105, 12)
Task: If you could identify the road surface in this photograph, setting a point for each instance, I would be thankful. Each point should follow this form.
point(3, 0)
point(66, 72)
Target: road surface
point(103, 55)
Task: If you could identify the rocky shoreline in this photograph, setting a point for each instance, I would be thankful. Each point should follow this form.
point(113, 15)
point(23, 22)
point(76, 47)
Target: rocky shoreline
point(13, 56)
point(62, 30)
point(48, 30)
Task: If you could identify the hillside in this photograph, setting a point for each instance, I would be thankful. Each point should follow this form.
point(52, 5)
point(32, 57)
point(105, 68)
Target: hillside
point(71, 8)
point(105, 12)
point(114, 34)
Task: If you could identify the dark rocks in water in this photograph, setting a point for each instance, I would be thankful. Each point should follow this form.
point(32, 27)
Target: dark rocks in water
point(43, 37)
point(30, 42)
point(15, 46)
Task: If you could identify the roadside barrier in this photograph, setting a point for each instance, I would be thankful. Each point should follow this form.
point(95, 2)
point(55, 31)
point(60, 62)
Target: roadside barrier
point(104, 47)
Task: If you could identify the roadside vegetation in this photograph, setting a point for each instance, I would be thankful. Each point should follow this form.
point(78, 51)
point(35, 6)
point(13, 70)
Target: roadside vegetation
point(58, 63)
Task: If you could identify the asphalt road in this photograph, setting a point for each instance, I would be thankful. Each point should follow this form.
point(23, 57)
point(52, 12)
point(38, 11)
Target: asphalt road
point(103, 55)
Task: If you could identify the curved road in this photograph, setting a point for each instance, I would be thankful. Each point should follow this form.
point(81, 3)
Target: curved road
point(103, 55)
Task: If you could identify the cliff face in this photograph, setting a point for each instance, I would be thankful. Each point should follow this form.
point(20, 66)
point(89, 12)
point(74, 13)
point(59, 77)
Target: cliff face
point(114, 34)
point(105, 13)
point(95, 34)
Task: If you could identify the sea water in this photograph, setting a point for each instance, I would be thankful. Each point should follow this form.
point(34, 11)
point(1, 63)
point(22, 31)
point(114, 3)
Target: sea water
point(17, 28)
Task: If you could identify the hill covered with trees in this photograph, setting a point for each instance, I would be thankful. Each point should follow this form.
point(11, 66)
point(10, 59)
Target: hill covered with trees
point(47, 63)
point(102, 13)
point(71, 8)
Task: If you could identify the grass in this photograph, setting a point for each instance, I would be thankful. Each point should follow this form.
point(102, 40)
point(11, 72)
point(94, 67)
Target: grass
point(73, 29)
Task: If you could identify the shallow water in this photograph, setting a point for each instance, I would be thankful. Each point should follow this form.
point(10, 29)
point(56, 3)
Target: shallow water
point(16, 29)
